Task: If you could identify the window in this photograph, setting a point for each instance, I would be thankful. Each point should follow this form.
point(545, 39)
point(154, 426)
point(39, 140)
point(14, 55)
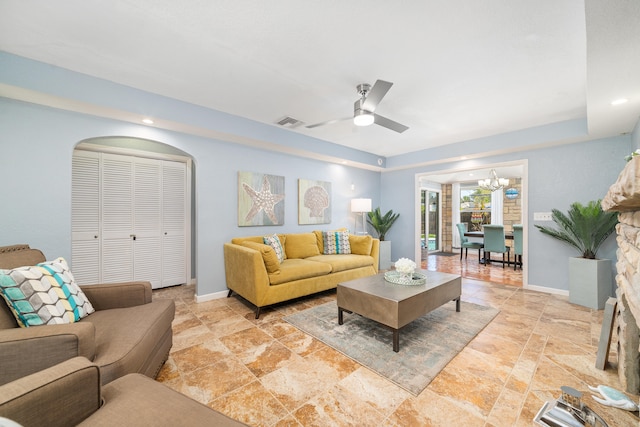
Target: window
point(475, 206)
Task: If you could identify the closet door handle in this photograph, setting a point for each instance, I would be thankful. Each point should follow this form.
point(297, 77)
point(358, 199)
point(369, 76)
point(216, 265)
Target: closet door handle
point(133, 236)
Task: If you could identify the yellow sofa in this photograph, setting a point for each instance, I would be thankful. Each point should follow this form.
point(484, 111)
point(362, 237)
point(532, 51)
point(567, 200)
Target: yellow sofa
point(253, 271)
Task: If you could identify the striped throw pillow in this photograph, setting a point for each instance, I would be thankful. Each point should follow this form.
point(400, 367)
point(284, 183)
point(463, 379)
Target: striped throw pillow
point(336, 242)
point(274, 242)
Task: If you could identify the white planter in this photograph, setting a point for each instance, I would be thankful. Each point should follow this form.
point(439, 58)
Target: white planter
point(385, 255)
point(590, 282)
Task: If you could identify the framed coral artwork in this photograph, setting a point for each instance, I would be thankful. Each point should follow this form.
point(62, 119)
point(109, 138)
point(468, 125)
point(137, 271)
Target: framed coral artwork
point(314, 202)
point(260, 199)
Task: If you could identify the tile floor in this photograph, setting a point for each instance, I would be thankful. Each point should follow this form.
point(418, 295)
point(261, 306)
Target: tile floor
point(267, 373)
point(470, 268)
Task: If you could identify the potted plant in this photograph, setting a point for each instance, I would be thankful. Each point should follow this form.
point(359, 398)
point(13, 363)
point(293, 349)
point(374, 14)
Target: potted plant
point(585, 228)
point(381, 224)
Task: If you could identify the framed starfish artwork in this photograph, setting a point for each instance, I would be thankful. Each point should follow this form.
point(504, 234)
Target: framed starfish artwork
point(260, 199)
point(314, 202)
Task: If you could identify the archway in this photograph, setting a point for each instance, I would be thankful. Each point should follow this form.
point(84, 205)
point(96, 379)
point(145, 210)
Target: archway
point(145, 206)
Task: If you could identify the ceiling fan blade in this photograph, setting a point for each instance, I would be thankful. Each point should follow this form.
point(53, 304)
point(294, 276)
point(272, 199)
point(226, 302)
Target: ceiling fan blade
point(328, 122)
point(375, 95)
point(389, 124)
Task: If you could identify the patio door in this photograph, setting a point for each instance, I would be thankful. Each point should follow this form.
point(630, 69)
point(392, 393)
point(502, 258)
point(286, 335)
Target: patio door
point(430, 208)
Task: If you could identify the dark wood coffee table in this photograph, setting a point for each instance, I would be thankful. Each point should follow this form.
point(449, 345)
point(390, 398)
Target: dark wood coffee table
point(397, 305)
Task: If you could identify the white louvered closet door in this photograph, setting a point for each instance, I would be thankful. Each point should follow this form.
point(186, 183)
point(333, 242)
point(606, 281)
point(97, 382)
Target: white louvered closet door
point(147, 217)
point(117, 218)
point(85, 217)
point(129, 219)
point(174, 221)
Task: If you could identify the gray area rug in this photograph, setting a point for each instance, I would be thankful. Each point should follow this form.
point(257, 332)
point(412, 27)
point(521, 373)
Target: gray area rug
point(426, 344)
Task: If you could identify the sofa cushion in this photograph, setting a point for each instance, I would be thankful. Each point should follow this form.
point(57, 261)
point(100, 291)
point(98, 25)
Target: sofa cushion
point(44, 294)
point(276, 244)
point(361, 245)
point(301, 245)
point(125, 337)
point(296, 269)
point(343, 262)
point(336, 242)
point(269, 256)
point(134, 400)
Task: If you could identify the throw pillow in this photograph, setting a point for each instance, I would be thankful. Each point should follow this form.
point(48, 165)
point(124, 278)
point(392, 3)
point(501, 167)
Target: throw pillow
point(361, 245)
point(274, 242)
point(44, 294)
point(336, 242)
point(268, 255)
point(320, 239)
point(301, 245)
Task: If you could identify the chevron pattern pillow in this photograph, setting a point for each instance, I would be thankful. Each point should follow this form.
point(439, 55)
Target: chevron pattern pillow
point(44, 294)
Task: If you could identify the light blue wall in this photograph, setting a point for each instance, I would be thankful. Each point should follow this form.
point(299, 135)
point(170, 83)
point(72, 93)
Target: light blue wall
point(48, 79)
point(557, 176)
point(36, 147)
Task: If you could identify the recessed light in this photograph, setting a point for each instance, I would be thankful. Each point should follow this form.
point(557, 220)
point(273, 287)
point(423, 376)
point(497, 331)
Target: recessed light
point(619, 101)
point(147, 121)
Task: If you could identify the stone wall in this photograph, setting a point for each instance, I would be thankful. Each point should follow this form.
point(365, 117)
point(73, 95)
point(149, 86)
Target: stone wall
point(624, 197)
point(512, 208)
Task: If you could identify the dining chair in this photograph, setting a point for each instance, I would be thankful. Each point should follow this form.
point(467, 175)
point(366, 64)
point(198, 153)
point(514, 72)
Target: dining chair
point(465, 243)
point(494, 242)
point(517, 245)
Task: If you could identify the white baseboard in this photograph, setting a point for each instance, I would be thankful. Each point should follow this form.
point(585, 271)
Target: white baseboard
point(564, 292)
point(209, 297)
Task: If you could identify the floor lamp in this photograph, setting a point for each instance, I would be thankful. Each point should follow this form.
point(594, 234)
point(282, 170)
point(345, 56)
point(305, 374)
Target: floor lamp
point(361, 206)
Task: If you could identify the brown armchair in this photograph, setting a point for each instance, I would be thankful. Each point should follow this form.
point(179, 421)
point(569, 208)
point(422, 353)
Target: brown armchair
point(70, 394)
point(128, 332)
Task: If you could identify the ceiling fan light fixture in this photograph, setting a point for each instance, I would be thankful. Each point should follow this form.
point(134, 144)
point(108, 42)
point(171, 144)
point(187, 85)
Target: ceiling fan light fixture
point(364, 109)
point(363, 118)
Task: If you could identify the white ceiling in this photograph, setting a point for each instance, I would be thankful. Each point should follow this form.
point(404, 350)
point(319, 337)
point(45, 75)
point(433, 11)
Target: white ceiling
point(462, 69)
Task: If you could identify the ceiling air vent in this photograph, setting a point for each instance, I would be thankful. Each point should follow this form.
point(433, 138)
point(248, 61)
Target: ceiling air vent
point(289, 122)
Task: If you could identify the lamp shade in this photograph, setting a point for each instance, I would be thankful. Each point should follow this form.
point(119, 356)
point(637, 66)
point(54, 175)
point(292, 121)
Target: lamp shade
point(360, 205)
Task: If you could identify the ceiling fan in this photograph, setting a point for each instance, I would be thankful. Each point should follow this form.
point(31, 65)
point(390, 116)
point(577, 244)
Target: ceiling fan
point(364, 108)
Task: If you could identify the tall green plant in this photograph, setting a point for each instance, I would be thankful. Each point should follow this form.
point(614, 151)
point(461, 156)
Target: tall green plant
point(382, 223)
point(585, 227)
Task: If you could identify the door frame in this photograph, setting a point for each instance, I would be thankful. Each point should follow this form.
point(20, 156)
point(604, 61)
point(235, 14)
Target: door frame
point(469, 168)
point(439, 232)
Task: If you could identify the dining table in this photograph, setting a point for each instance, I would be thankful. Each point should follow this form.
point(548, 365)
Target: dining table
point(508, 235)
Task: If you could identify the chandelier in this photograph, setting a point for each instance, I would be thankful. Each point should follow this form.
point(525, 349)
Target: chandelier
point(493, 183)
